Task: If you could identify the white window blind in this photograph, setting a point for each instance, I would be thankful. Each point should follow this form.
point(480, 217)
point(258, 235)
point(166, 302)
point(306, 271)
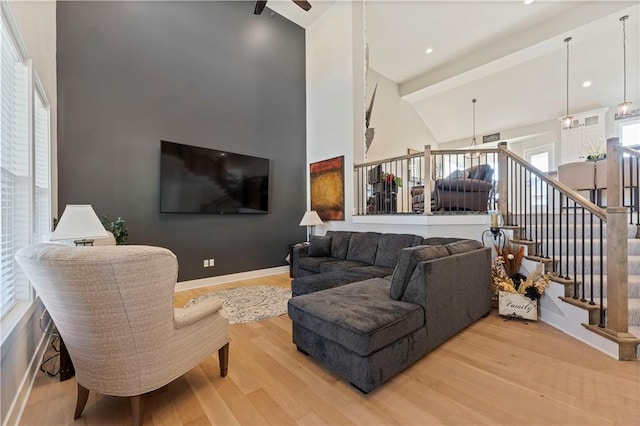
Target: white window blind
point(15, 181)
point(42, 195)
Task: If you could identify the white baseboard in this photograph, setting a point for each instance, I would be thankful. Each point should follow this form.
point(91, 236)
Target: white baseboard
point(14, 414)
point(224, 279)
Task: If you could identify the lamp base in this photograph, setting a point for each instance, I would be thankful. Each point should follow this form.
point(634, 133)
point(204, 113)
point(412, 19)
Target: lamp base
point(83, 242)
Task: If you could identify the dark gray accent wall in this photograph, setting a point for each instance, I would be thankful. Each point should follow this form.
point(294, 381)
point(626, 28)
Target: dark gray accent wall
point(209, 74)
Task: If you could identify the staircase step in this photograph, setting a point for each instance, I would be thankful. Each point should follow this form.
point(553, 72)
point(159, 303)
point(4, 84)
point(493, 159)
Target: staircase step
point(633, 284)
point(633, 264)
point(541, 230)
point(634, 310)
point(633, 246)
point(529, 244)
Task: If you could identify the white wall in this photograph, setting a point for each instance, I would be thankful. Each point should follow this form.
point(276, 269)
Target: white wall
point(335, 118)
point(22, 348)
point(396, 123)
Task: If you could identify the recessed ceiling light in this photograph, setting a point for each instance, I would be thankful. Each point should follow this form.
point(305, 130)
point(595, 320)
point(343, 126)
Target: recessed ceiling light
point(586, 84)
point(428, 50)
point(528, 1)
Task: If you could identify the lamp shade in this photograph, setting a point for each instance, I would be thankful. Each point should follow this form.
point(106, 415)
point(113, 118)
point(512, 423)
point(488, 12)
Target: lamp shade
point(77, 222)
point(310, 218)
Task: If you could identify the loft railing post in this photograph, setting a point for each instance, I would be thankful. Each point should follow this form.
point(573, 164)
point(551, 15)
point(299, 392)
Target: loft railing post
point(503, 185)
point(427, 179)
point(617, 250)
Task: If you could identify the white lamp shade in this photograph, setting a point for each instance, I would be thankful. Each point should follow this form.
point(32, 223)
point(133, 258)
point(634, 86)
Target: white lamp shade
point(310, 218)
point(78, 222)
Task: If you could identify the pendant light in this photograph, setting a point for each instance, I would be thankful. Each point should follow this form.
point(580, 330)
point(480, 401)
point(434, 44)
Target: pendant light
point(567, 120)
point(473, 148)
point(625, 106)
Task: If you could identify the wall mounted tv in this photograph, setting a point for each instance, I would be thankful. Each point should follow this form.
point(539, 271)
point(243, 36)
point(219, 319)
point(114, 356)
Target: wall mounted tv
point(203, 180)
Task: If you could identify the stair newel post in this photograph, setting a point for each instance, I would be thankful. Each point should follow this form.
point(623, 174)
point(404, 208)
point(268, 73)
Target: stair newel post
point(427, 179)
point(617, 250)
point(503, 184)
point(614, 159)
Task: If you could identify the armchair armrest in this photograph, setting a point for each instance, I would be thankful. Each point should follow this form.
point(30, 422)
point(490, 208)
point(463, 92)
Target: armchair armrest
point(183, 317)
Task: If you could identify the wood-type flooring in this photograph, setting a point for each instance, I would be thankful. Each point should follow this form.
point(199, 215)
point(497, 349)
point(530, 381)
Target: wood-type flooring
point(494, 372)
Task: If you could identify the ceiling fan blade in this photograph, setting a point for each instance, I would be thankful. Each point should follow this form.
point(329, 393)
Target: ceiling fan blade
point(260, 4)
point(303, 4)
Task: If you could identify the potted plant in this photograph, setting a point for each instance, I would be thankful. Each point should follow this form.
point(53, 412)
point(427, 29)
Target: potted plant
point(516, 294)
point(117, 228)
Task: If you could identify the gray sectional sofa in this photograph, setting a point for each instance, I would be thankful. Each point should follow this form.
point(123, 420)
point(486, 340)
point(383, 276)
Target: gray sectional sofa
point(370, 253)
point(368, 329)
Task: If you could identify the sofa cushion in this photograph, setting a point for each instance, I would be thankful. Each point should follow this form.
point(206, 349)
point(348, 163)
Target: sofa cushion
point(320, 246)
point(373, 271)
point(339, 243)
point(409, 258)
point(359, 316)
point(313, 263)
point(363, 247)
point(339, 265)
point(440, 241)
point(319, 282)
point(463, 246)
point(390, 246)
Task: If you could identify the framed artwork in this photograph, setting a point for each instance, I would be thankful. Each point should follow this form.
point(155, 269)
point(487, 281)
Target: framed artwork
point(327, 188)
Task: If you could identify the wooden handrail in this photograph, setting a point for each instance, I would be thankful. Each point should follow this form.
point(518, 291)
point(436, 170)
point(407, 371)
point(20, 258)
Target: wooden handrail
point(570, 193)
point(627, 150)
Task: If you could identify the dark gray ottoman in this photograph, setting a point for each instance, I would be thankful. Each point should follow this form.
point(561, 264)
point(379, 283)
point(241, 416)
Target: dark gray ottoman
point(359, 332)
point(312, 283)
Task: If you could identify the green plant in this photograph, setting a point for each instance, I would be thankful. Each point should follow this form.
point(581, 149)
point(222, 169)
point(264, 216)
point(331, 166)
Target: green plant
point(117, 228)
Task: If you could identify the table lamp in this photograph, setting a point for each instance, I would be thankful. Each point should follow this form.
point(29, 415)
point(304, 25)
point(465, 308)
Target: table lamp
point(310, 220)
point(79, 223)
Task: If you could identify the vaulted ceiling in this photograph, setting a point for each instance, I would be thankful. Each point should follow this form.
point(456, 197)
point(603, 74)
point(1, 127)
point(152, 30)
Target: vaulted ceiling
point(509, 55)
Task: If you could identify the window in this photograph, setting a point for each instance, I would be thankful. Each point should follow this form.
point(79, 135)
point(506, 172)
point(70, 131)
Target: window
point(541, 160)
point(25, 196)
point(630, 133)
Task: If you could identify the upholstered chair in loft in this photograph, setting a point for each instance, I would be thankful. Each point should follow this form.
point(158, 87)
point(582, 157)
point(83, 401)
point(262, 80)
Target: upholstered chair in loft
point(113, 306)
point(579, 176)
point(469, 190)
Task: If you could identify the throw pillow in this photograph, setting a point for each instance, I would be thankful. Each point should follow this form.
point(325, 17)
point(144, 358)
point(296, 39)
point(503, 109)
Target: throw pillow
point(409, 259)
point(463, 246)
point(319, 246)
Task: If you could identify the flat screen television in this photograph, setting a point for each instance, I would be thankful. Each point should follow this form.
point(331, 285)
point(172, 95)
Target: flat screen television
point(203, 180)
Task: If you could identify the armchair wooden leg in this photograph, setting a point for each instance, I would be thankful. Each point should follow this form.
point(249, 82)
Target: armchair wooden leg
point(137, 408)
point(83, 394)
point(223, 354)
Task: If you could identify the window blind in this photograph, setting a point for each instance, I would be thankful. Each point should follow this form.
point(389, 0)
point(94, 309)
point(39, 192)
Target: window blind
point(42, 198)
point(14, 167)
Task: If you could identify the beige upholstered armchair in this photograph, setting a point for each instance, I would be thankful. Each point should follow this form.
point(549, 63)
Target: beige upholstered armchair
point(113, 306)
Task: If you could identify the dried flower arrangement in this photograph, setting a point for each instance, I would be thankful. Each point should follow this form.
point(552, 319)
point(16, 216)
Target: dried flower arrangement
point(506, 276)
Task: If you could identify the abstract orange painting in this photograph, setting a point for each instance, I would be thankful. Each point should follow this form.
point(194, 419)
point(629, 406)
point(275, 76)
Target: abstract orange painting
point(327, 188)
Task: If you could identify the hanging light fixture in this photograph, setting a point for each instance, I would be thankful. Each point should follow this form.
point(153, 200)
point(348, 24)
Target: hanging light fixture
point(473, 148)
point(625, 106)
point(567, 120)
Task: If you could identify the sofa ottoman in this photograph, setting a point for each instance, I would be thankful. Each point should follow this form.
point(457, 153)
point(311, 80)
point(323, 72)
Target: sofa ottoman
point(357, 331)
point(312, 283)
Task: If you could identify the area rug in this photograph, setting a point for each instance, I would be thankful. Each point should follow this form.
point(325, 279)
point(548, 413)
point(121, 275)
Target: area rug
point(250, 303)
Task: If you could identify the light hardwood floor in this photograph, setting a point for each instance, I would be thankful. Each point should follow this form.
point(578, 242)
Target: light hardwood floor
point(494, 372)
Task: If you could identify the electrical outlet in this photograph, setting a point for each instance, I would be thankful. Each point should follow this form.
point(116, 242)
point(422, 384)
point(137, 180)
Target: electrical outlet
point(206, 263)
point(211, 262)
